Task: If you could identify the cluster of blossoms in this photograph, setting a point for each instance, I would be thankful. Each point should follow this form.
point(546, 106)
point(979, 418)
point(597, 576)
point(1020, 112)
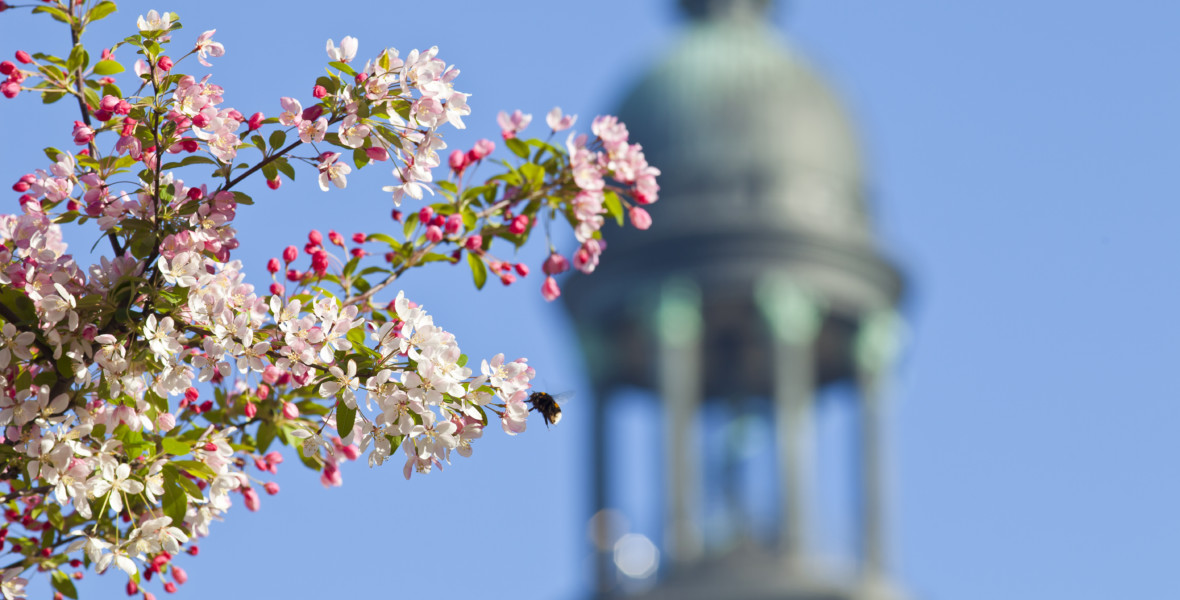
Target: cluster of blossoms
point(141, 395)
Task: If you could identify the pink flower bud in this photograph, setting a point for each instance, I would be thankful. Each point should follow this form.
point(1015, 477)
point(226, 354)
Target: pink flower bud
point(23, 57)
point(207, 406)
point(555, 264)
point(312, 112)
point(290, 253)
point(358, 252)
point(193, 550)
point(473, 242)
point(132, 588)
point(149, 595)
point(271, 488)
point(274, 184)
point(453, 223)
point(508, 279)
point(457, 160)
point(82, 133)
point(109, 102)
point(165, 421)
point(549, 289)
point(483, 148)
point(250, 410)
point(519, 224)
point(335, 238)
point(290, 411)
point(272, 265)
point(104, 115)
point(396, 215)
point(314, 236)
point(377, 153)
point(179, 575)
point(640, 218)
point(358, 238)
point(171, 587)
point(164, 63)
point(319, 91)
point(425, 214)
point(319, 262)
point(251, 498)
point(256, 120)
point(294, 275)
point(200, 120)
point(10, 89)
point(434, 233)
point(7, 67)
point(522, 269)
point(191, 394)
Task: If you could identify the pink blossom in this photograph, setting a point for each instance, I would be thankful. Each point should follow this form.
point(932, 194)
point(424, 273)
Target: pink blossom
point(510, 125)
point(207, 47)
point(82, 133)
point(483, 148)
point(557, 122)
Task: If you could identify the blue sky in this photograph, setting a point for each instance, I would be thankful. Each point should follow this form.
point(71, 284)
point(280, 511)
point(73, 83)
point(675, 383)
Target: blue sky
point(1022, 159)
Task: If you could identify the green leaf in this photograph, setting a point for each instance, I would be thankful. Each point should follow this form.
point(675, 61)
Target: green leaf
point(479, 271)
point(243, 198)
point(101, 10)
point(58, 15)
point(343, 67)
point(381, 237)
point(266, 435)
point(534, 174)
point(613, 207)
point(108, 67)
point(277, 138)
point(175, 447)
point(51, 153)
point(448, 186)
point(192, 159)
point(285, 168)
point(259, 143)
point(517, 147)
point(175, 500)
point(65, 585)
point(345, 418)
point(360, 158)
point(195, 468)
point(20, 305)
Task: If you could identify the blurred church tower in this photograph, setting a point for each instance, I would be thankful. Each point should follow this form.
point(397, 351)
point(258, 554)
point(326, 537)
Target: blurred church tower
point(759, 283)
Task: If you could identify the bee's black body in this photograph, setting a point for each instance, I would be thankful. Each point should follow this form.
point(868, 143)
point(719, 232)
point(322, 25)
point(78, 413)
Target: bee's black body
point(547, 406)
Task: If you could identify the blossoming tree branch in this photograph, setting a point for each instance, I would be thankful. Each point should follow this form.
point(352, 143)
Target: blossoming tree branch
point(141, 395)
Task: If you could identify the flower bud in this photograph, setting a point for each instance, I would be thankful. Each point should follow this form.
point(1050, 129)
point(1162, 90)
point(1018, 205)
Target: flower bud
point(179, 575)
point(319, 262)
point(640, 218)
point(170, 587)
point(425, 214)
point(164, 63)
point(434, 233)
point(315, 237)
point(377, 153)
point(290, 253)
point(255, 121)
point(7, 67)
point(166, 421)
point(290, 411)
point(250, 410)
point(549, 289)
point(271, 488)
point(23, 57)
point(519, 225)
point(109, 102)
point(555, 264)
point(9, 89)
point(200, 120)
point(508, 279)
point(272, 265)
point(275, 183)
point(312, 112)
point(396, 215)
point(522, 269)
point(473, 242)
point(335, 238)
point(457, 160)
point(453, 224)
point(191, 394)
point(358, 238)
point(319, 91)
point(132, 588)
point(294, 275)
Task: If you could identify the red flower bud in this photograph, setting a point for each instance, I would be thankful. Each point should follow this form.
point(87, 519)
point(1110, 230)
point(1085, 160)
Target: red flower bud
point(312, 112)
point(275, 183)
point(272, 265)
point(522, 269)
point(164, 63)
point(396, 215)
point(319, 91)
point(473, 242)
point(23, 57)
point(335, 238)
point(7, 67)
point(255, 121)
point(315, 237)
point(358, 238)
point(271, 488)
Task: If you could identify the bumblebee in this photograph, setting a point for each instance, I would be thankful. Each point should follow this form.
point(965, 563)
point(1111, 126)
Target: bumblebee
point(546, 405)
